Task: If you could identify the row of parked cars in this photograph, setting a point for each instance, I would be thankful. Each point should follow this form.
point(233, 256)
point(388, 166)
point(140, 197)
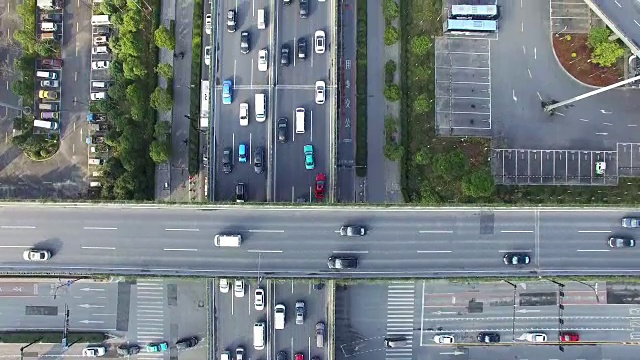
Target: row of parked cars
point(100, 56)
point(48, 72)
point(492, 337)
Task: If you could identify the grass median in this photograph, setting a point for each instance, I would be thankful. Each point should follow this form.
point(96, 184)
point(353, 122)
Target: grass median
point(361, 89)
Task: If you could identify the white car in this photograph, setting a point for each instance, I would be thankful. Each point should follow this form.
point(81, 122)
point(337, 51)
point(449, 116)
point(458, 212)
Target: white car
point(36, 255)
point(94, 351)
point(320, 86)
point(258, 301)
point(244, 114)
point(207, 55)
point(98, 95)
point(444, 339)
point(207, 24)
point(238, 288)
point(319, 42)
point(99, 50)
point(534, 337)
point(102, 64)
point(49, 83)
point(262, 60)
point(224, 286)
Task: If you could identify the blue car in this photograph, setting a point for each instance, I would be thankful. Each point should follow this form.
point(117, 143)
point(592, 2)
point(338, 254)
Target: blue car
point(309, 163)
point(157, 347)
point(227, 92)
point(242, 153)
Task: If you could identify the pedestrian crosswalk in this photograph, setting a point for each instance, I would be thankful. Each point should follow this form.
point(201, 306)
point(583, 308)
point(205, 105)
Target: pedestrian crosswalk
point(400, 318)
point(149, 295)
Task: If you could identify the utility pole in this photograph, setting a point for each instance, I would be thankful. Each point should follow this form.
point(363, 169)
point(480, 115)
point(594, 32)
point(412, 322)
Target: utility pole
point(553, 104)
point(65, 329)
point(513, 329)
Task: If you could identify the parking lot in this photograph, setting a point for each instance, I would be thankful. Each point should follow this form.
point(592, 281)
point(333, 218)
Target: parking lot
point(553, 167)
point(570, 16)
point(235, 317)
point(463, 85)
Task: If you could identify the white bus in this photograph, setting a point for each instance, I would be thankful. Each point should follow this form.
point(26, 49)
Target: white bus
point(204, 104)
point(475, 12)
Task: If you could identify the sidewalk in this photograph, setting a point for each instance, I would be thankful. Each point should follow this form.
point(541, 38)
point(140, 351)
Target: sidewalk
point(176, 173)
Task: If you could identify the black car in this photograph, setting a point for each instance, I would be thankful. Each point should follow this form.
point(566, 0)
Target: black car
point(516, 259)
point(487, 337)
point(101, 30)
point(51, 17)
point(621, 242)
point(226, 160)
point(231, 21)
point(284, 55)
point(302, 48)
point(352, 230)
point(124, 350)
point(245, 40)
point(241, 193)
point(304, 9)
point(283, 129)
point(187, 343)
point(342, 262)
point(258, 160)
point(282, 355)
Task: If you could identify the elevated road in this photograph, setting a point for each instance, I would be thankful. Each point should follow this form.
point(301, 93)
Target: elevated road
point(297, 242)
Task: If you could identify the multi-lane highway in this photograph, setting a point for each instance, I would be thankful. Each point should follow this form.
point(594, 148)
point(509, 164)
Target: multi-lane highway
point(296, 242)
point(285, 88)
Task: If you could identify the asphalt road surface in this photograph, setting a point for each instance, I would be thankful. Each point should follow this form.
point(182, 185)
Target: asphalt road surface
point(625, 14)
point(294, 242)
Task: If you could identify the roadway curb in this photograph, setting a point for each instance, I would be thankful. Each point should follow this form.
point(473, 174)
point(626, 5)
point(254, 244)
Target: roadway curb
point(553, 50)
point(331, 319)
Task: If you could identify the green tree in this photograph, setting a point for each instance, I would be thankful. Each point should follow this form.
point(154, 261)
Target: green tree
point(131, 20)
point(451, 165)
point(390, 35)
point(161, 99)
point(421, 157)
point(390, 126)
point(133, 68)
point(164, 38)
point(45, 48)
point(24, 88)
point(420, 45)
point(478, 184)
point(597, 36)
point(422, 104)
point(390, 10)
point(165, 70)
point(162, 129)
point(419, 72)
point(389, 71)
point(160, 151)
point(393, 151)
point(392, 92)
point(606, 54)
point(26, 39)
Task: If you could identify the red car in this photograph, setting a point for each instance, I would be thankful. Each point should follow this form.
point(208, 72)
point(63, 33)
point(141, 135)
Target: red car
point(319, 192)
point(299, 356)
point(569, 337)
point(50, 63)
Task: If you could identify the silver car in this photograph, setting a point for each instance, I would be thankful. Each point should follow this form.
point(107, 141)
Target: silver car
point(352, 230)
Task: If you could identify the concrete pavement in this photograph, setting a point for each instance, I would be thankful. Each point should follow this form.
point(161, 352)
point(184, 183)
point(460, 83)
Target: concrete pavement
point(294, 242)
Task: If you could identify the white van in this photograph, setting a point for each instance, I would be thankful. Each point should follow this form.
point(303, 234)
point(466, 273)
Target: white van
point(227, 240)
point(100, 20)
point(99, 84)
point(278, 317)
point(261, 107)
point(46, 75)
point(262, 24)
point(51, 125)
point(48, 27)
point(300, 120)
point(259, 334)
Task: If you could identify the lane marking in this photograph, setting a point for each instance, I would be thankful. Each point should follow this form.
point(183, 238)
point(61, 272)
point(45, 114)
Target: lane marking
point(593, 250)
point(192, 230)
point(265, 231)
point(98, 248)
point(435, 232)
point(15, 246)
point(516, 231)
point(264, 251)
point(180, 249)
point(433, 251)
point(595, 231)
point(17, 227)
point(514, 251)
point(99, 228)
point(351, 252)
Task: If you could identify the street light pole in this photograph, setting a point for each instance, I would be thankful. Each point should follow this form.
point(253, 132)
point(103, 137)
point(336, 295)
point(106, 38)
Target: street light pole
point(513, 327)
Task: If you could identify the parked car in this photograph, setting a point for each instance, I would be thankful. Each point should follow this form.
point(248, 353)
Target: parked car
point(284, 55)
point(302, 48)
point(207, 55)
point(244, 114)
point(444, 339)
point(100, 64)
point(258, 160)
point(208, 24)
point(48, 95)
point(52, 17)
point(258, 299)
point(569, 337)
point(50, 63)
point(100, 40)
point(101, 30)
point(226, 160)
point(49, 83)
point(488, 337)
point(299, 312)
point(534, 337)
point(98, 95)
point(97, 50)
point(231, 21)
point(241, 193)
point(127, 350)
point(242, 153)
point(224, 285)
point(238, 288)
